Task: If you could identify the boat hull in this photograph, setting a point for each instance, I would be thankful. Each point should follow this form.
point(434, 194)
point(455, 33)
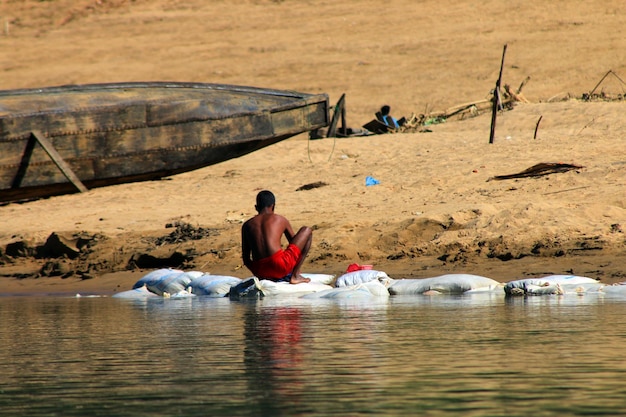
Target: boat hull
point(116, 133)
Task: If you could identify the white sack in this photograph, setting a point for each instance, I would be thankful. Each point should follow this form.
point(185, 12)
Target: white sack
point(551, 284)
point(369, 289)
point(569, 279)
point(360, 277)
point(270, 288)
point(173, 283)
point(546, 289)
point(617, 290)
point(135, 294)
point(447, 284)
point(213, 285)
point(180, 294)
point(594, 287)
point(152, 277)
point(319, 278)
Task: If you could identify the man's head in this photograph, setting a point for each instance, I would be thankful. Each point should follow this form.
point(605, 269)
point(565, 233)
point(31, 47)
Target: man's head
point(265, 199)
point(385, 110)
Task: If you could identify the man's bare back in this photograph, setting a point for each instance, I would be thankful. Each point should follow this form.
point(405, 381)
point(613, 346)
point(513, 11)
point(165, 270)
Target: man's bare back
point(261, 242)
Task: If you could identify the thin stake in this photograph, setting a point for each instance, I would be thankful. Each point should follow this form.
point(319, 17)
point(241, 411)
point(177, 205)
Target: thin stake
point(537, 127)
point(496, 99)
point(600, 82)
point(609, 72)
point(569, 189)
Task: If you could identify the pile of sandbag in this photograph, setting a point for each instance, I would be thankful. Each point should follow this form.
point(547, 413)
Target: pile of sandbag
point(174, 283)
point(359, 284)
point(169, 283)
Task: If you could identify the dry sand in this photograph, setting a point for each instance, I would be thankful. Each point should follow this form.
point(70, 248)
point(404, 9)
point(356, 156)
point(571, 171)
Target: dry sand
point(434, 211)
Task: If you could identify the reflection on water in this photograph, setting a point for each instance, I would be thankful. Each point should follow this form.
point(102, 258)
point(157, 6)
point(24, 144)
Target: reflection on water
point(407, 355)
point(273, 355)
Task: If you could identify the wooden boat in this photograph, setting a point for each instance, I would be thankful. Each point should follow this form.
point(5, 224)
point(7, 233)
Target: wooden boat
point(65, 139)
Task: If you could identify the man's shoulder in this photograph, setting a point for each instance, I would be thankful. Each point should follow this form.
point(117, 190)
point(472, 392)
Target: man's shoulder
point(250, 221)
point(264, 218)
point(278, 218)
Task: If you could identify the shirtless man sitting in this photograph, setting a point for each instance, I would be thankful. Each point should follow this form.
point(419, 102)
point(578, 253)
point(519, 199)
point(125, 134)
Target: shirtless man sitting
point(261, 248)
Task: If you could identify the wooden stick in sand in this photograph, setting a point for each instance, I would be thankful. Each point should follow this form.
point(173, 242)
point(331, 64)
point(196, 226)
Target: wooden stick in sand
point(332, 128)
point(496, 99)
point(537, 127)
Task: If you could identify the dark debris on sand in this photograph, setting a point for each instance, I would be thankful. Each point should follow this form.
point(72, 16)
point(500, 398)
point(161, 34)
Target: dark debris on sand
point(184, 232)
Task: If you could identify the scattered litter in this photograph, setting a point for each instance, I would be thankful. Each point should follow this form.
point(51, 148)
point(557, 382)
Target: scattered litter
point(371, 181)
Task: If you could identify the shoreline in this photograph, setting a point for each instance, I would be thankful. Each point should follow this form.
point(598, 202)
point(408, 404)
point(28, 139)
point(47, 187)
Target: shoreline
point(438, 214)
point(605, 267)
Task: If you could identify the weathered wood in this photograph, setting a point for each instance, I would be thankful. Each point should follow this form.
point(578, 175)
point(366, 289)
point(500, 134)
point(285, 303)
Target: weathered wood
point(332, 128)
point(460, 107)
point(54, 155)
point(24, 162)
point(344, 125)
point(115, 133)
point(514, 96)
point(522, 84)
point(479, 105)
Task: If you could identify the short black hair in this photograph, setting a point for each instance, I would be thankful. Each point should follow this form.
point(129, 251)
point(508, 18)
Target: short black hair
point(385, 109)
point(264, 199)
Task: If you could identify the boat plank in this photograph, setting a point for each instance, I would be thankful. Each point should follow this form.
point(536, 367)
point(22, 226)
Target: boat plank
point(58, 161)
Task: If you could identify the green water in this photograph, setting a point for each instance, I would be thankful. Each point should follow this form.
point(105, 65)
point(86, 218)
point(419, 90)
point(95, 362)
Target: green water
point(479, 355)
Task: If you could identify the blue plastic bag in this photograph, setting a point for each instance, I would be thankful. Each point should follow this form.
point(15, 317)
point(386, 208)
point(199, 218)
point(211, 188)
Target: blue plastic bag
point(371, 181)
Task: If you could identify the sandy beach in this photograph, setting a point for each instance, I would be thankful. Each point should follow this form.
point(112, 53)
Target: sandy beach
point(437, 208)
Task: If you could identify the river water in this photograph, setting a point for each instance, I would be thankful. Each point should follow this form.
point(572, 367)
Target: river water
point(470, 355)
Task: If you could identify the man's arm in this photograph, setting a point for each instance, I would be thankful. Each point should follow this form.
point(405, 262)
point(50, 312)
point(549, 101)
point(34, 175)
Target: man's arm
point(288, 231)
point(246, 251)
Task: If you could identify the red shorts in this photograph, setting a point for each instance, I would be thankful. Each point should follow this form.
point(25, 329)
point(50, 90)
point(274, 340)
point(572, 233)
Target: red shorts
point(277, 266)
